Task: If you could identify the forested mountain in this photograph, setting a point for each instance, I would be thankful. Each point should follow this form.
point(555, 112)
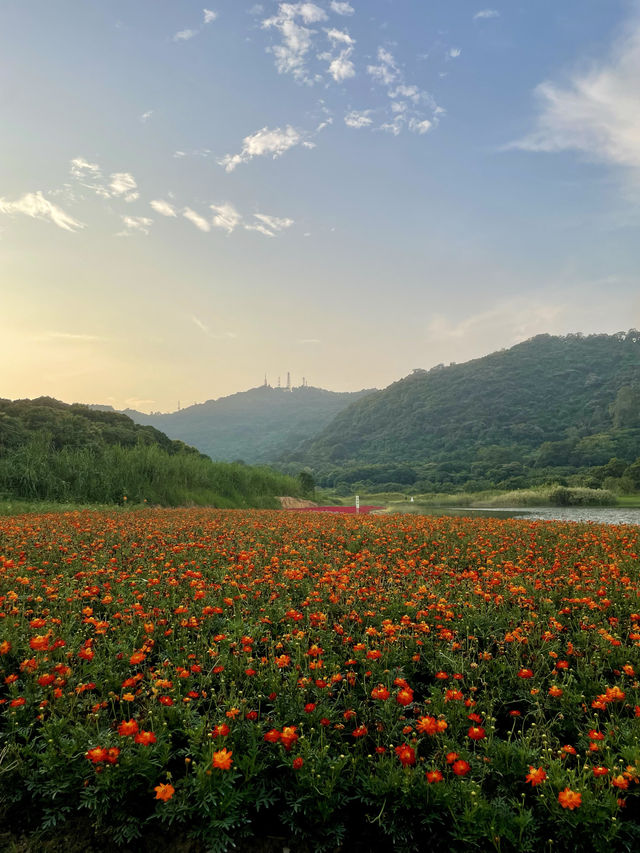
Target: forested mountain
point(551, 407)
point(255, 426)
point(53, 451)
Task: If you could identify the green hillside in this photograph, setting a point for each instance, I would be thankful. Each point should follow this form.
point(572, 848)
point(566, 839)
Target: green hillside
point(549, 408)
point(51, 451)
point(257, 426)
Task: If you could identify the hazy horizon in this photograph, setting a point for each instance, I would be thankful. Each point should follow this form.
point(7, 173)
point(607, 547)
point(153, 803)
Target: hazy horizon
point(193, 196)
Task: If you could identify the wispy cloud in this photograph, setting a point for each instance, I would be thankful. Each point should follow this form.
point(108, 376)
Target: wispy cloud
point(209, 16)
point(454, 52)
point(225, 216)
point(264, 142)
point(486, 14)
point(358, 119)
point(197, 220)
point(37, 206)
point(341, 8)
point(124, 184)
point(185, 35)
point(163, 207)
point(135, 225)
point(386, 71)
point(292, 22)
point(205, 329)
point(89, 175)
point(407, 103)
point(270, 226)
point(146, 116)
point(71, 337)
point(597, 112)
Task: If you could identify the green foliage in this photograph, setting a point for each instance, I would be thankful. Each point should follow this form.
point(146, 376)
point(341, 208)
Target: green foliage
point(54, 452)
point(541, 412)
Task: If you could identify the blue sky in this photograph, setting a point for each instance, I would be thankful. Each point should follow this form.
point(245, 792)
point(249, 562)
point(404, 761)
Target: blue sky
point(193, 196)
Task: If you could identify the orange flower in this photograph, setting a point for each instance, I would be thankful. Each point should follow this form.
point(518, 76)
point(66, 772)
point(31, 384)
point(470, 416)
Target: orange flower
point(535, 777)
point(221, 730)
point(433, 776)
point(405, 696)
point(97, 754)
point(461, 767)
point(600, 771)
point(360, 731)
point(112, 755)
point(297, 763)
point(5, 647)
point(380, 692)
point(555, 691)
point(525, 673)
point(272, 736)
point(427, 725)
point(569, 799)
point(222, 760)
point(406, 754)
point(620, 782)
point(39, 643)
point(145, 738)
point(127, 727)
point(476, 733)
point(164, 792)
point(288, 736)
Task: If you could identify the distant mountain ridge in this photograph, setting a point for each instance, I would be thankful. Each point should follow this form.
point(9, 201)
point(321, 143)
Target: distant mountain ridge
point(256, 426)
point(551, 406)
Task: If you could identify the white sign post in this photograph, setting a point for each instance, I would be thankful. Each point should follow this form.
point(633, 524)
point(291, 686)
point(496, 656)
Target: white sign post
point(357, 504)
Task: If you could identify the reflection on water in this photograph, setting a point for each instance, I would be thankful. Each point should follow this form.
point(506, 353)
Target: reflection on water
point(596, 514)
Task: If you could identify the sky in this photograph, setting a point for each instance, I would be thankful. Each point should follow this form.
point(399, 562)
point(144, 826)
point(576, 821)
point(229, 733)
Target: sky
point(193, 197)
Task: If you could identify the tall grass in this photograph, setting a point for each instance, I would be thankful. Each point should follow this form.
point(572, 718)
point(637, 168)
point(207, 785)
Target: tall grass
point(114, 474)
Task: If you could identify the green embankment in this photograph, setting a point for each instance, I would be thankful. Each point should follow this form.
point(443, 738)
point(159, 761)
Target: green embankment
point(52, 452)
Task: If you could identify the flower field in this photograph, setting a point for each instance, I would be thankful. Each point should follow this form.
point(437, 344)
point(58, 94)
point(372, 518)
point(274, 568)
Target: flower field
point(391, 683)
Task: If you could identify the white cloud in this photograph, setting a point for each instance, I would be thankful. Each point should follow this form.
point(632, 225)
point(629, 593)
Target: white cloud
point(209, 16)
point(358, 119)
point(73, 337)
point(89, 175)
point(420, 127)
point(132, 224)
point(124, 184)
point(37, 206)
point(225, 216)
point(185, 35)
point(455, 52)
point(597, 112)
point(486, 13)
point(196, 219)
point(146, 116)
point(265, 141)
point(270, 226)
point(409, 112)
point(341, 8)
point(386, 72)
point(342, 68)
point(412, 92)
point(80, 168)
point(297, 39)
point(163, 207)
point(339, 36)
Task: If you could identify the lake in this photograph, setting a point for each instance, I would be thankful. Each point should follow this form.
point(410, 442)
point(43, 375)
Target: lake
point(596, 514)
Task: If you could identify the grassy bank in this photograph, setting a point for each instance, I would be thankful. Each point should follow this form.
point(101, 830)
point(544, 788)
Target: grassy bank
point(553, 495)
point(142, 474)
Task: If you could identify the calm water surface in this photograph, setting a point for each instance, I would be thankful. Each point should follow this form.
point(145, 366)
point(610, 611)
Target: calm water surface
point(599, 515)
